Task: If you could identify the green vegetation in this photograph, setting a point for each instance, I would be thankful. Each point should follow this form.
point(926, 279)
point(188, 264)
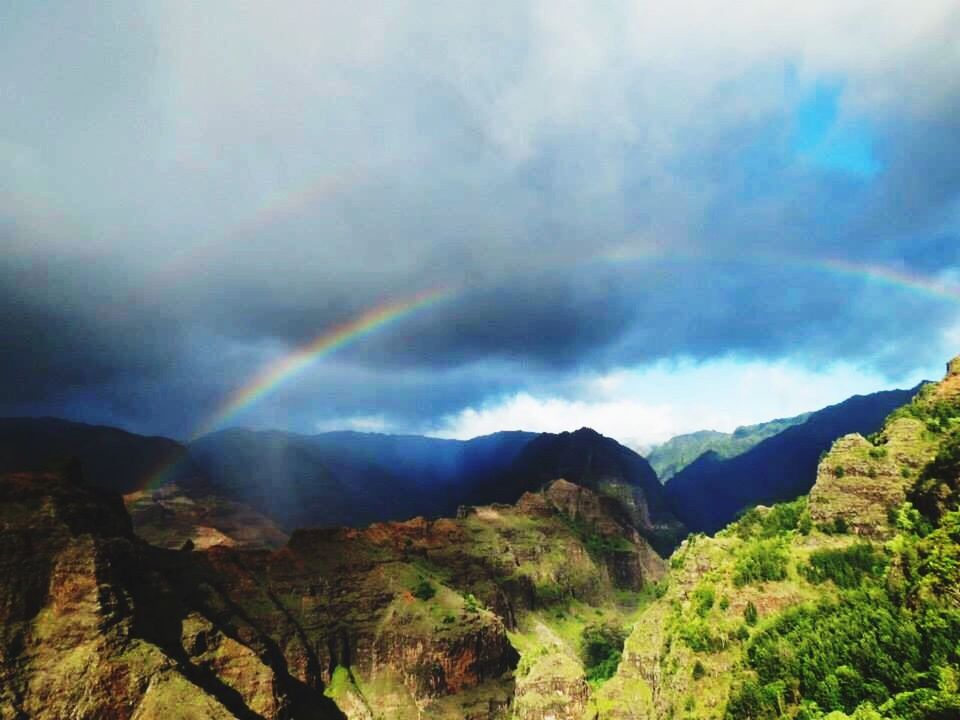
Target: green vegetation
point(887, 647)
point(938, 415)
point(774, 521)
point(761, 561)
point(846, 567)
point(672, 456)
point(601, 648)
point(599, 546)
point(937, 490)
point(340, 682)
point(703, 599)
point(840, 655)
point(424, 590)
point(701, 636)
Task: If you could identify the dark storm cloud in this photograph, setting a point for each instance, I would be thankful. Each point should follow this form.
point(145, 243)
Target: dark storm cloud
point(188, 191)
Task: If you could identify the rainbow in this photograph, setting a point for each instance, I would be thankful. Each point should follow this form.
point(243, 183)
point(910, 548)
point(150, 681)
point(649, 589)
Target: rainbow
point(273, 375)
point(921, 284)
point(281, 370)
point(873, 273)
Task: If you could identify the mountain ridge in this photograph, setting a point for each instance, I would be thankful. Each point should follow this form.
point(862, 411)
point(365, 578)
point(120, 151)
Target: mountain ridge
point(678, 452)
point(709, 492)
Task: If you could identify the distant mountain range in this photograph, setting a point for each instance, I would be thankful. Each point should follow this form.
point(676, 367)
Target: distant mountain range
point(708, 493)
point(351, 478)
point(554, 606)
point(354, 479)
point(337, 478)
point(672, 456)
point(118, 460)
point(357, 478)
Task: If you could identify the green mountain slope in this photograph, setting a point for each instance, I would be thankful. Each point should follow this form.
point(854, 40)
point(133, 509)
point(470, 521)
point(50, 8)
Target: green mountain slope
point(671, 457)
point(841, 604)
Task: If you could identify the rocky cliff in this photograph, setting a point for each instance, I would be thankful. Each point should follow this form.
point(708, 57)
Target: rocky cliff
point(411, 619)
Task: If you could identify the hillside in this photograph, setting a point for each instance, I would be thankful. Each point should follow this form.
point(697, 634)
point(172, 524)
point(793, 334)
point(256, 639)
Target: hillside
point(675, 454)
point(708, 493)
point(401, 620)
point(841, 604)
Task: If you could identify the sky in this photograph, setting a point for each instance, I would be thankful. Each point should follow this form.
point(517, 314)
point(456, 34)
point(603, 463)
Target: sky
point(645, 217)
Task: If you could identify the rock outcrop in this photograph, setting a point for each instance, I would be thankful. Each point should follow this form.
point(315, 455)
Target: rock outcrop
point(403, 619)
point(91, 626)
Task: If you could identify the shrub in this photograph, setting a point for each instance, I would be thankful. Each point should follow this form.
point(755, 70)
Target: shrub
point(750, 613)
point(761, 561)
point(698, 670)
point(424, 590)
point(878, 453)
point(703, 599)
point(698, 636)
point(846, 567)
point(601, 647)
point(773, 522)
point(937, 490)
point(529, 659)
point(837, 526)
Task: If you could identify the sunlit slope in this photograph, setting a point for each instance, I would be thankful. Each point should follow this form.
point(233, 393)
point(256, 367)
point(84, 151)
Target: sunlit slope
point(843, 601)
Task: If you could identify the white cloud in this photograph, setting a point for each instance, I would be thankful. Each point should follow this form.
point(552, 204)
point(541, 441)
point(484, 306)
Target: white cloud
point(634, 423)
point(641, 408)
point(360, 423)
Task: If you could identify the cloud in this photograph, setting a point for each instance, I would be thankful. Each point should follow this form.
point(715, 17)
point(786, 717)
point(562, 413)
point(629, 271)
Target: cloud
point(647, 407)
point(189, 191)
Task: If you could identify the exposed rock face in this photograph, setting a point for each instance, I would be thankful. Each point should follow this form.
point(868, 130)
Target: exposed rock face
point(858, 483)
point(953, 367)
point(690, 651)
point(169, 517)
point(630, 563)
point(355, 479)
point(98, 624)
point(553, 690)
point(601, 465)
point(76, 617)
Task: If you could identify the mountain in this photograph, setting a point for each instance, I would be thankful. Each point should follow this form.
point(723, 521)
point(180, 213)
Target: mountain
point(119, 460)
point(708, 493)
point(589, 459)
point(840, 605)
point(672, 456)
point(358, 478)
point(350, 478)
point(402, 620)
point(242, 487)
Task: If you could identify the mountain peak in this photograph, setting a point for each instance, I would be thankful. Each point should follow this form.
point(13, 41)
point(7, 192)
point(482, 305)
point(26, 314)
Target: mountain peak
point(953, 367)
point(586, 432)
